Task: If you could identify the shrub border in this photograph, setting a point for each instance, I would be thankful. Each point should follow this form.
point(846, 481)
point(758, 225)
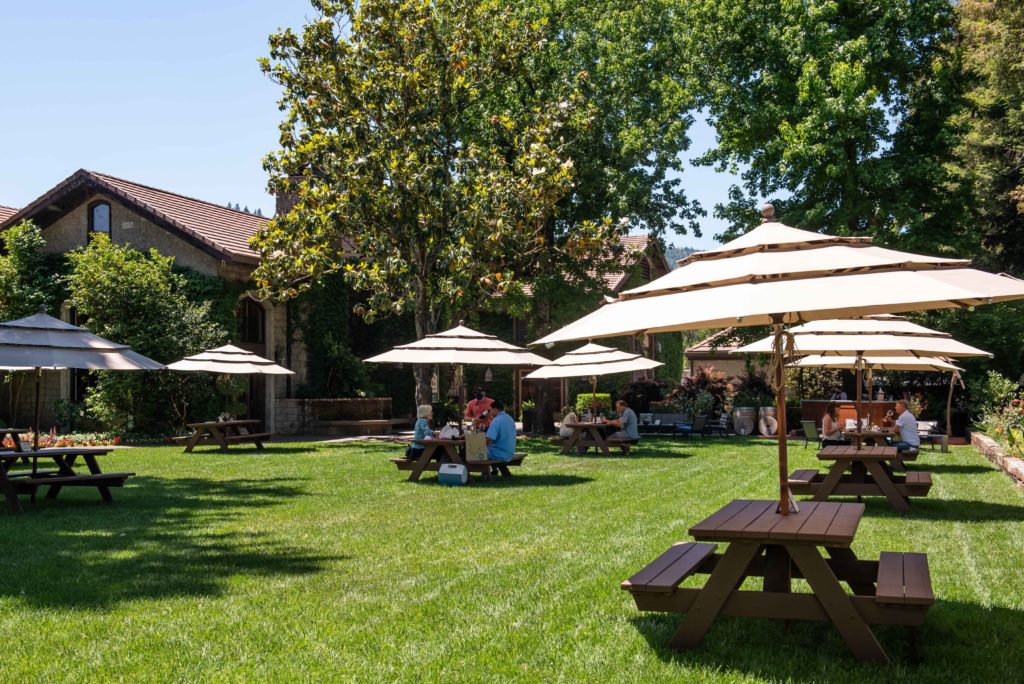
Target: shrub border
point(993, 451)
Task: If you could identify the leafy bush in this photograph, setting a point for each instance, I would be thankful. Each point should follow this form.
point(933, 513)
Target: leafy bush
point(706, 379)
point(135, 298)
point(754, 389)
point(703, 403)
point(639, 394)
point(992, 394)
point(602, 402)
point(1006, 425)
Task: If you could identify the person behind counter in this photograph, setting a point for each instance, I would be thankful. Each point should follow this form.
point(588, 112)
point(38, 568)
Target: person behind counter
point(831, 433)
point(838, 394)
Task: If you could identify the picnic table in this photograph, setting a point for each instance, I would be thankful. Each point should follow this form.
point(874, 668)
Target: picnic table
point(437, 451)
point(861, 472)
point(592, 434)
point(15, 482)
point(223, 433)
point(896, 589)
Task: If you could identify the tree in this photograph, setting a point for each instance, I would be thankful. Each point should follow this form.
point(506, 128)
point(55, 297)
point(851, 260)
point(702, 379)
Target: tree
point(412, 172)
point(992, 151)
point(843, 111)
point(136, 299)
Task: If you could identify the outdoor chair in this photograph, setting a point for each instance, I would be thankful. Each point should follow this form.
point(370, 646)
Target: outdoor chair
point(811, 433)
point(720, 426)
point(694, 428)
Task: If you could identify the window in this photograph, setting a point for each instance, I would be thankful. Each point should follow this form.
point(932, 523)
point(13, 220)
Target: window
point(99, 218)
point(250, 322)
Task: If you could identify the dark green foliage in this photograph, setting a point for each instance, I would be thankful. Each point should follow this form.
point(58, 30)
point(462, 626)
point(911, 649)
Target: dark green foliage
point(639, 394)
point(669, 350)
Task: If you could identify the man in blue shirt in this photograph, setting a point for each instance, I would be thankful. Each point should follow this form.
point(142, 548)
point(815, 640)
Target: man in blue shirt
point(501, 435)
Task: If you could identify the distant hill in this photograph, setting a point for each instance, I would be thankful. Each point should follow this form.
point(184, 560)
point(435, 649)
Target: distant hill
point(674, 254)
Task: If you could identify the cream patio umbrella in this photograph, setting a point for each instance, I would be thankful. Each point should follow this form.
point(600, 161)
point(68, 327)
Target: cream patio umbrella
point(42, 342)
point(458, 347)
point(592, 360)
point(230, 360)
point(776, 275)
point(889, 363)
point(876, 335)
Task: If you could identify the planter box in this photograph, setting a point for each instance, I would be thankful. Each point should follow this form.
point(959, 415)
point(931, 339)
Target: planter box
point(993, 451)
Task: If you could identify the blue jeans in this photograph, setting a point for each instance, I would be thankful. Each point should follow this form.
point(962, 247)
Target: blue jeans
point(903, 446)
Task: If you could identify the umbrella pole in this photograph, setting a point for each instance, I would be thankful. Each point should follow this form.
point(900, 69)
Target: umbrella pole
point(593, 397)
point(786, 503)
point(860, 382)
point(35, 435)
point(949, 407)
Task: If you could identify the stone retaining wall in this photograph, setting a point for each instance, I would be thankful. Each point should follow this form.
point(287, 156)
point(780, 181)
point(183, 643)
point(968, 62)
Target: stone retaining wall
point(993, 451)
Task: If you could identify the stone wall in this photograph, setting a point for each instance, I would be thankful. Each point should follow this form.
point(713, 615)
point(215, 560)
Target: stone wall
point(290, 417)
point(993, 451)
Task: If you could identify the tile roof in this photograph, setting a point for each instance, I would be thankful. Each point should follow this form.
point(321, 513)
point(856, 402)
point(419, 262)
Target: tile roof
point(7, 212)
point(722, 342)
point(217, 230)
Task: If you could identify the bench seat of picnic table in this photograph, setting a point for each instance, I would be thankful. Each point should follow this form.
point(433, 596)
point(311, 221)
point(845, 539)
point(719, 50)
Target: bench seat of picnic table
point(29, 473)
point(799, 477)
point(84, 480)
point(903, 594)
point(915, 483)
point(410, 463)
point(623, 443)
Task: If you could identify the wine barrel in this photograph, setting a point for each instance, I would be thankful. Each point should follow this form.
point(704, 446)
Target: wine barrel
point(743, 419)
point(768, 423)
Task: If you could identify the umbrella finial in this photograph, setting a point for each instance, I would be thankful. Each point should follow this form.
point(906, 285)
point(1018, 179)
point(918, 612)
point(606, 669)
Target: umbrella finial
point(768, 212)
point(462, 322)
point(42, 308)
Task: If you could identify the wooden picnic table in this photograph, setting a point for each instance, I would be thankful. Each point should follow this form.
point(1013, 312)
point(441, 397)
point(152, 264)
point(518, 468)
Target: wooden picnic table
point(861, 472)
point(28, 482)
point(896, 589)
point(452, 451)
point(223, 433)
point(586, 435)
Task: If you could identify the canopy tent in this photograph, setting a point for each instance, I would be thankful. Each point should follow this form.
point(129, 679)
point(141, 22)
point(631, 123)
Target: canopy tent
point(231, 360)
point(592, 360)
point(42, 341)
point(775, 275)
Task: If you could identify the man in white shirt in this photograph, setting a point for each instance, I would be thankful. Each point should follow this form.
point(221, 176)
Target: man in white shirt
point(905, 428)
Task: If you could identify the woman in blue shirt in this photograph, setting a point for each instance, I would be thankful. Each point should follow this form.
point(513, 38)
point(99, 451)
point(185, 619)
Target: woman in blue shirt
point(424, 414)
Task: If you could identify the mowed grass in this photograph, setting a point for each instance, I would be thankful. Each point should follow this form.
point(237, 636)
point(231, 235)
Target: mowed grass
point(321, 563)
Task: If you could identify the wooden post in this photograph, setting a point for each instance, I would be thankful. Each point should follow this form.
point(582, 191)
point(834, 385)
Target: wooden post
point(949, 406)
point(786, 504)
point(35, 437)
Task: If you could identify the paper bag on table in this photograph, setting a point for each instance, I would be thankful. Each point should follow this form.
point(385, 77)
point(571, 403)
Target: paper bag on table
point(476, 446)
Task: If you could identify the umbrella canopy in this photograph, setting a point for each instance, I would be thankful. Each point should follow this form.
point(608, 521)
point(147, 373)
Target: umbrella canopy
point(878, 363)
point(459, 346)
point(231, 360)
point(592, 360)
point(775, 275)
point(881, 344)
point(42, 341)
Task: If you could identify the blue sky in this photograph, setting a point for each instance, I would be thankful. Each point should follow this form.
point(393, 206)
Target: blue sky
point(166, 94)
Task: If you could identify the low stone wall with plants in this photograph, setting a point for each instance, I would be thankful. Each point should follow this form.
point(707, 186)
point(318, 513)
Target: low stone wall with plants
point(993, 451)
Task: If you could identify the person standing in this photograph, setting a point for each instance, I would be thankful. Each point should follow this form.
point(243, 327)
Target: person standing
point(905, 428)
point(501, 435)
point(479, 409)
point(626, 422)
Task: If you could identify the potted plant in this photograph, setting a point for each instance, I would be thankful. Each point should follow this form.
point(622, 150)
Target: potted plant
point(528, 416)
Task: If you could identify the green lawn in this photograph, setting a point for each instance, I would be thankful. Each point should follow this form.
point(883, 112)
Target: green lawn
point(321, 563)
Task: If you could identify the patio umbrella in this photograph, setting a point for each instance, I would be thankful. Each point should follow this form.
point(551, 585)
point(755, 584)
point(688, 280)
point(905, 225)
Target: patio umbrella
point(460, 346)
point(229, 360)
point(776, 275)
point(877, 335)
point(593, 360)
point(887, 363)
point(42, 341)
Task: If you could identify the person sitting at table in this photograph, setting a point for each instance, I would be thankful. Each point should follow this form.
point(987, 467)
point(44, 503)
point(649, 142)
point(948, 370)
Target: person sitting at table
point(626, 422)
point(568, 417)
point(838, 395)
point(478, 410)
point(501, 435)
point(831, 432)
point(905, 428)
point(424, 414)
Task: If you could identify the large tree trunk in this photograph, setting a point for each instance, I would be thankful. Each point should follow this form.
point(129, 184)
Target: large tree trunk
point(546, 402)
point(424, 327)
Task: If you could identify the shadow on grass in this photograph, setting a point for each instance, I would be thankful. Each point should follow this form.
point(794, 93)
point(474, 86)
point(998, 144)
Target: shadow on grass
point(160, 538)
point(637, 451)
point(953, 644)
point(950, 468)
point(517, 480)
point(249, 450)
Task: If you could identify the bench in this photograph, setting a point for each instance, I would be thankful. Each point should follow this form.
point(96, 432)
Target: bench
point(622, 443)
point(481, 467)
point(903, 578)
point(667, 571)
point(802, 477)
point(106, 479)
point(926, 432)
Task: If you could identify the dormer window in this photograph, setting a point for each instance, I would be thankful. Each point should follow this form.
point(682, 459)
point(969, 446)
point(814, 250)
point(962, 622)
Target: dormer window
point(99, 218)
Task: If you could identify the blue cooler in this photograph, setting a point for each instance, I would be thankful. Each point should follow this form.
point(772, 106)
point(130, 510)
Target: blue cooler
point(452, 474)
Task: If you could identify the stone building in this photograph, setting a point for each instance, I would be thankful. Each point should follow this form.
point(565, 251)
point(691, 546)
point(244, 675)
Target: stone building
point(201, 236)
